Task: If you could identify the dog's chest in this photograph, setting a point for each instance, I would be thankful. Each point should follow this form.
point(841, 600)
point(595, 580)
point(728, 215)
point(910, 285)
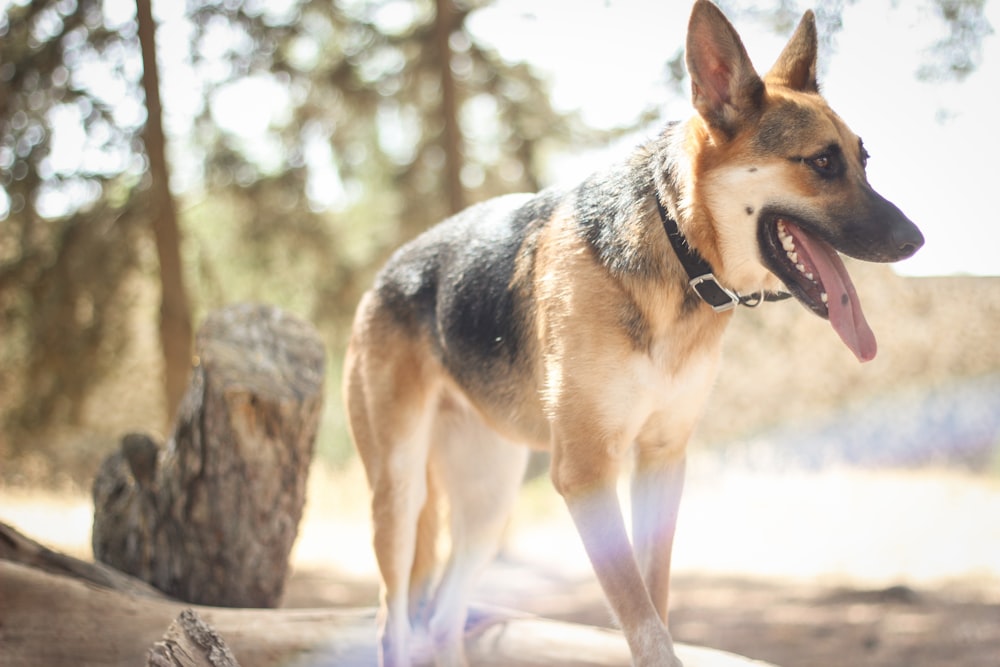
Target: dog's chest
point(654, 399)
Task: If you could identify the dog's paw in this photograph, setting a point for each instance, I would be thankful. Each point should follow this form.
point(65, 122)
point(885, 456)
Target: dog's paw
point(655, 649)
point(666, 659)
point(392, 659)
point(394, 655)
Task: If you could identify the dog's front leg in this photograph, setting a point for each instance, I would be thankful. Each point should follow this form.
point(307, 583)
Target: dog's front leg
point(656, 496)
point(588, 488)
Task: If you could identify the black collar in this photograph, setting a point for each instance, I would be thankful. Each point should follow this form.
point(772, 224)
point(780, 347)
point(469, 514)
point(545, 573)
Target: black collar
point(700, 276)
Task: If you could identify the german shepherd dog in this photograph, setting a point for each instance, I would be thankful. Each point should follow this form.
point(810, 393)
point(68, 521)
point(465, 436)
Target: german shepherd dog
point(570, 320)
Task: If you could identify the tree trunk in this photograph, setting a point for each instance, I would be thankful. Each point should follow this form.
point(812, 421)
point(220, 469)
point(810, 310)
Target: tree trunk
point(452, 133)
point(175, 315)
point(213, 516)
point(58, 621)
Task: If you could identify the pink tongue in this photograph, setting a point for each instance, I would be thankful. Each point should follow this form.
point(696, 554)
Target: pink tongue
point(845, 308)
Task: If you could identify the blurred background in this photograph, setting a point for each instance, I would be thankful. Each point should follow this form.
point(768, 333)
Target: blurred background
point(160, 161)
point(278, 151)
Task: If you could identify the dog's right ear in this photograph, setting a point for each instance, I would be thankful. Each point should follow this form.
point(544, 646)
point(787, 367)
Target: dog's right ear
point(725, 89)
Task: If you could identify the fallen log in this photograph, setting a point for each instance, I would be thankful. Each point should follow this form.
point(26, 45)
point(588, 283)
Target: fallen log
point(58, 621)
point(19, 548)
point(211, 517)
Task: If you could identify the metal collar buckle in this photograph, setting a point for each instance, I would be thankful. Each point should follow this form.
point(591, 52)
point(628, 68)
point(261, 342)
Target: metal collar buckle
point(713, 293)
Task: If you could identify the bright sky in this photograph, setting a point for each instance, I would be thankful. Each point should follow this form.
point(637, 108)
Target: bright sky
point(606, 58)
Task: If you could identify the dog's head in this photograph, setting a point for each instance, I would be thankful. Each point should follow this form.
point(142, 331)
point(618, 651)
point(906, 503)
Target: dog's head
point(783, 177)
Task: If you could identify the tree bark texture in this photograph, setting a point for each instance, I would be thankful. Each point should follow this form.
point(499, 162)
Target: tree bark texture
point(211, 518)
point(175, 312)
point(58, 621)
point(190, 642)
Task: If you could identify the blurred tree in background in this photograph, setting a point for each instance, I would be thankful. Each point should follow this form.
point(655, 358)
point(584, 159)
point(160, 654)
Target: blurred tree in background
point(366, 113)
point(71, 204)
point(306, 139)
point(176, 332)
point(955, 56)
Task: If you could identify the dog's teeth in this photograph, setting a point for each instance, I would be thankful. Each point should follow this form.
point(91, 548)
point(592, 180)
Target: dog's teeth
point(824, 297)
point(810, 276)
point(787, 242)
point(801, 268)
point(792, 255)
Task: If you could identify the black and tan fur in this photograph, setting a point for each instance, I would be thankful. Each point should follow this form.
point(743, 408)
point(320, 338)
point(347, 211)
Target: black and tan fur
point(564, 320)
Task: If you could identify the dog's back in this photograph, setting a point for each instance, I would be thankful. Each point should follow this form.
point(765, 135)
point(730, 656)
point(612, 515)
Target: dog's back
point(457, 286)
point(462, 293)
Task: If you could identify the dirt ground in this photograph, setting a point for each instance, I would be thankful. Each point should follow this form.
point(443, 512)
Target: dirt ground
point(799, 569)
point(790, 625)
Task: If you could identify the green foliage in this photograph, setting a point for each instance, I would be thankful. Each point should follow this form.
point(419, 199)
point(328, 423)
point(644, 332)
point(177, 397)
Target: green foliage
point(69, 171)
point(361, 117)
point(345, 161)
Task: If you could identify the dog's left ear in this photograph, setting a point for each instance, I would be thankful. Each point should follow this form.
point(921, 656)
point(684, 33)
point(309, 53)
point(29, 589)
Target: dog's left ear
point(796, 66)
point(725, 88)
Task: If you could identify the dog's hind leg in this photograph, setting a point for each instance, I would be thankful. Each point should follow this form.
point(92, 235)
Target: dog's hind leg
point(425, 557)
point(480, 474)
point(389, 394)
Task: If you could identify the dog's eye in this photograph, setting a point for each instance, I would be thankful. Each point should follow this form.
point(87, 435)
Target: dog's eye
point(821, 162)
point(828, 163)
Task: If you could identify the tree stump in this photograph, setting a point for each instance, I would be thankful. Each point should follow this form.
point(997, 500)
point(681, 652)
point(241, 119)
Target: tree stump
point(211, 517)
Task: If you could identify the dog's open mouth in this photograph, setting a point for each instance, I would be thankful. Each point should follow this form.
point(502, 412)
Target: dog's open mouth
point(814, 273)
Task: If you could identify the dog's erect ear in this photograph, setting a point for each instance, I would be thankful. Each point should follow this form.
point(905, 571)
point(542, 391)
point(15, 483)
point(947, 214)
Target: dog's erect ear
point(796, 66)
point(725, 88)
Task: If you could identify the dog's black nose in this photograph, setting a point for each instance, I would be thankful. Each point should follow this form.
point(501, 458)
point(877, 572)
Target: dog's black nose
point(907, 238)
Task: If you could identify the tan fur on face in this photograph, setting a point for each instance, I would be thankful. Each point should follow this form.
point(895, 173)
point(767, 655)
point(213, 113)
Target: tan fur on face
point(737, 180)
